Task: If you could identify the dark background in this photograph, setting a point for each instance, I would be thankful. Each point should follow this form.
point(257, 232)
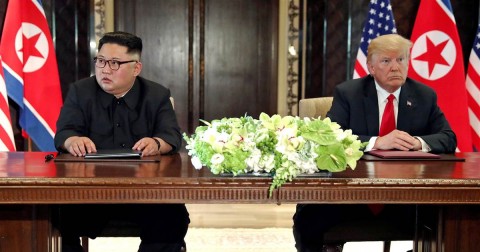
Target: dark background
point(219, 57)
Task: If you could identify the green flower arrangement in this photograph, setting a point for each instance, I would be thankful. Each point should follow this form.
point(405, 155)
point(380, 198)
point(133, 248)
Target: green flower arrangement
point(281, 146)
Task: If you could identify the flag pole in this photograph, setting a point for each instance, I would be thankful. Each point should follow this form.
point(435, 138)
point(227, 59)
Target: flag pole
point(29, 144)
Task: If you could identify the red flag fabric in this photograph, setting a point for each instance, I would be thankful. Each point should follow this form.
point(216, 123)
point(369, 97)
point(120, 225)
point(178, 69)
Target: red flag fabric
point(437, 60)
point(379, 22)
point(473, 89)
point(7, 142)
point(30, 68)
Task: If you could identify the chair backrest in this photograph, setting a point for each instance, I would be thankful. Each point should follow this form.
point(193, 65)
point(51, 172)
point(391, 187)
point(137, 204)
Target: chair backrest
point(315, 107)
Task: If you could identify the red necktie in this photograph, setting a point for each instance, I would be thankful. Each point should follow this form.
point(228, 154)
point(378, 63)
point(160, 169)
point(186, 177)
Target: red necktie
point(388, 118)
point(387, 126)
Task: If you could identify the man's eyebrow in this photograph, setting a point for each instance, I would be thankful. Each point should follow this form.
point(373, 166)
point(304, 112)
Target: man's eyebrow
point(114, 58)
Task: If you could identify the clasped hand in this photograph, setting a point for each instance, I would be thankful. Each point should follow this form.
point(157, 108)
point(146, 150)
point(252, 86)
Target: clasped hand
point(399, 140)
point(79, 146)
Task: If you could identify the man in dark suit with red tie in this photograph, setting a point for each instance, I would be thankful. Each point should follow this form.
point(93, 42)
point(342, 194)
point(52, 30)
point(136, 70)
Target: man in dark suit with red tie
point(389, 111)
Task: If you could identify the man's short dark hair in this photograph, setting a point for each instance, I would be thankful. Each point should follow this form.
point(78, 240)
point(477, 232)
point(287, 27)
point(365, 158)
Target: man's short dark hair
point(132, 42)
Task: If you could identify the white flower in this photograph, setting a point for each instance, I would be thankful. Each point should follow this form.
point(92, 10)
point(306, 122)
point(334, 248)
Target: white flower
point(237, 139)
point(254, 160)
point(269, 163)
point(196, 163)
point(282, 146)
point(217, 159)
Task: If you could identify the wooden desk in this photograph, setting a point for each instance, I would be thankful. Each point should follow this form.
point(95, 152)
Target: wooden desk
point(450, 192)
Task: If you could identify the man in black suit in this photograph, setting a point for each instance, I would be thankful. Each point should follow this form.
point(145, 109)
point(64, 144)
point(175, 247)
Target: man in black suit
point(117, 109)
point(359, 105)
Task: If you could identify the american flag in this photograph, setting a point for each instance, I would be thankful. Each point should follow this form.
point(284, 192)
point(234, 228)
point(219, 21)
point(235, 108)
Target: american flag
point(379, 22)
point(473, 89)
point(7, 142)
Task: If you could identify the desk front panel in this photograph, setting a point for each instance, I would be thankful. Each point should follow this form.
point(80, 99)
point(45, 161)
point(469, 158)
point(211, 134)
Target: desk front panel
point(25, 178)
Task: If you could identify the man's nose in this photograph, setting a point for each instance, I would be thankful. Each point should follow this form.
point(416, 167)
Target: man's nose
point(395, 65)
point(106, 69)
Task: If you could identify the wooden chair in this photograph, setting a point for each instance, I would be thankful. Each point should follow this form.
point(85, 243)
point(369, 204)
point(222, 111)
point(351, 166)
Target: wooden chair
point(359, 230)
point(315, 107)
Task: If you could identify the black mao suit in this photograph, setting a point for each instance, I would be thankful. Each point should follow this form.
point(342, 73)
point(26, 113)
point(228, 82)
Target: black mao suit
point(145, 111)
point(355, 107)
point(111, 123)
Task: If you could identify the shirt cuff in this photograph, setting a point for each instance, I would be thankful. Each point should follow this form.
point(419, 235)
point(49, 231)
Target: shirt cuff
point(370, 144)
point(425, 147)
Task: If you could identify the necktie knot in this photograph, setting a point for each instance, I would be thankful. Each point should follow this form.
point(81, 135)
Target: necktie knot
point(390, 98)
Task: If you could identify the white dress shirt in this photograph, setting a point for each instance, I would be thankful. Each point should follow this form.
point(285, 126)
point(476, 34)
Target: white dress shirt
point(382, 95)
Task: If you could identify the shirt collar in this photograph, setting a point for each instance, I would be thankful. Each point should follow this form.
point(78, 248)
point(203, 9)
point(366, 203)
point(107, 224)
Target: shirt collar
point(382, 94)
point(131, 98)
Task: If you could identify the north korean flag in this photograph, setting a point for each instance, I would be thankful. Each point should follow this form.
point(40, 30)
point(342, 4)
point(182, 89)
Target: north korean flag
point(31, 73)
point(437, 60)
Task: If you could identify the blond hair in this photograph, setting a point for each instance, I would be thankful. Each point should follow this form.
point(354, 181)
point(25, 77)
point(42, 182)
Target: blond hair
point(389, 43)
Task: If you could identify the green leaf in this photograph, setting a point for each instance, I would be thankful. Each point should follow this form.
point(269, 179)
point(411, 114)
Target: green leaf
point(331, 158)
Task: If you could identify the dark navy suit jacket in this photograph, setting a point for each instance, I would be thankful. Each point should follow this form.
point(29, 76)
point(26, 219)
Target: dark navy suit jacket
point(355, 107)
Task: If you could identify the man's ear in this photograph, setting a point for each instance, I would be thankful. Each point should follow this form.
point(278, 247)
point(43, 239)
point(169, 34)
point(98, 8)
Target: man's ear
point(370, 67)
point(138, 68)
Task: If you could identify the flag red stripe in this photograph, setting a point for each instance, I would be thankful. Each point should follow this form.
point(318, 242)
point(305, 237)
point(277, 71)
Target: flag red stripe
point(4, 107)
point(473, 105)
point(474, 77)
point(5, 138)
point(6, 130)
point(359, 69)
point(476, 140)
point(8, 143)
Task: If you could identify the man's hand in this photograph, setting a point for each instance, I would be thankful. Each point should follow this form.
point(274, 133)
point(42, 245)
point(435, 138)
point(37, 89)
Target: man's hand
point(148, 146)
point(79, 146)
point(399, 140)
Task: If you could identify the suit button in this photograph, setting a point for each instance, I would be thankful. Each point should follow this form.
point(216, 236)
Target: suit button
point(118, 125)
point(122, 145)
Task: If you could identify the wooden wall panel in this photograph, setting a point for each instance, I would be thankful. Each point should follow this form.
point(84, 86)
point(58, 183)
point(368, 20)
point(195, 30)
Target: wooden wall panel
point(217, 57)
point(238, 58)
point(163, 27)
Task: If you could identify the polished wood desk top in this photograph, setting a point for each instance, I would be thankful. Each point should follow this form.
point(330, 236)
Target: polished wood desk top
point(25, 178)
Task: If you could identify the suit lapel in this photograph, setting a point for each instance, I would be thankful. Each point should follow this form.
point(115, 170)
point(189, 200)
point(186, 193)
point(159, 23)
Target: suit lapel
point(406, 106)
point(370, 106)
